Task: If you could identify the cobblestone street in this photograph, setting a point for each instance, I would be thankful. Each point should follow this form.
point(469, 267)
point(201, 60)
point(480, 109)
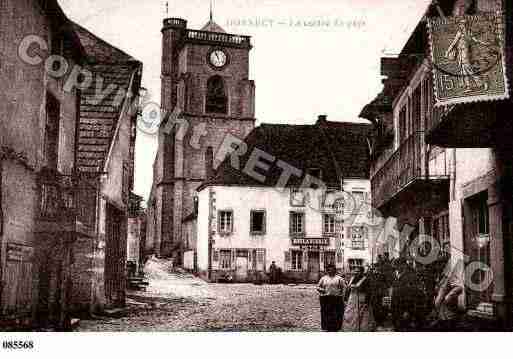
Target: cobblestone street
point(181, 302)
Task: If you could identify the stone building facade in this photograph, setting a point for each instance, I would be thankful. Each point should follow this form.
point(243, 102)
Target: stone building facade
point(48, 214)
point(318, 217)
point(37, 137)
point(446, 172)
point(206, 95)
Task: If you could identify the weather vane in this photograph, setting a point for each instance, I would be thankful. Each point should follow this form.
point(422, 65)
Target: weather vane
point(211, 11)
point(167, 8)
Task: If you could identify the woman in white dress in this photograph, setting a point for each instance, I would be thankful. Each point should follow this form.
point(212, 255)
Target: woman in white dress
point(358, 316)
point(331, 290)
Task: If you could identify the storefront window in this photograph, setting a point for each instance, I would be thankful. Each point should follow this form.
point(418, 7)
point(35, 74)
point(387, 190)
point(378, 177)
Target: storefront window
point(225, 259)
point(329, 258)
point(297, 260)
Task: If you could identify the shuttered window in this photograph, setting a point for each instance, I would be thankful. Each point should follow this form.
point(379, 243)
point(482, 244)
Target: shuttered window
point(329, 224)
point(257, 222)
point(297, 224)
point(225, 221)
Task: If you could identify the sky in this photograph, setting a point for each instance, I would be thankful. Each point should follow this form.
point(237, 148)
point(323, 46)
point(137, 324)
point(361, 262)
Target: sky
point(330, 67)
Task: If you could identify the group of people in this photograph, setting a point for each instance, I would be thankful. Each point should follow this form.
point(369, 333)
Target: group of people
point(420, 297)
point(345, 306)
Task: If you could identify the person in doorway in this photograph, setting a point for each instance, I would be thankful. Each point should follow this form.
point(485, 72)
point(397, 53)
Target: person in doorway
point(273, 273)
point(331, 290)
point(358, 316)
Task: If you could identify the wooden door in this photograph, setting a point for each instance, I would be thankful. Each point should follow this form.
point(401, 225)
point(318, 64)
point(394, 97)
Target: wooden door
point(313, 266)
point(18, 280)
point(241, 265)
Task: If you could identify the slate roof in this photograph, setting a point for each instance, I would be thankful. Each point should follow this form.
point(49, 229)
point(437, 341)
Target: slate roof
point(211, 26)
point(338, 149)
point(99, 115)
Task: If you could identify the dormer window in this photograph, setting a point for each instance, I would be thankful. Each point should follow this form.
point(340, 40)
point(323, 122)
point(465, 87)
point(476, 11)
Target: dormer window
point(216, 101)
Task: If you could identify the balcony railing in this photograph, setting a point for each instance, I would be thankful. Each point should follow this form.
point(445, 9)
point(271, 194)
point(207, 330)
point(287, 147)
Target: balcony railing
point(66, 199)
point(57, 197)
point(225, 39)
point(436, 118)
point(409, 163)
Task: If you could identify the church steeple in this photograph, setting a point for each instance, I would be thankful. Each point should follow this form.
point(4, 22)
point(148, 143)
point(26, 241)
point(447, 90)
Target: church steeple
point(211, 25)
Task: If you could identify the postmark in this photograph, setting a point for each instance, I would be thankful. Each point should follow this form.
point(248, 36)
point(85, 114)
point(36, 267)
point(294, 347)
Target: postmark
point(467, 53)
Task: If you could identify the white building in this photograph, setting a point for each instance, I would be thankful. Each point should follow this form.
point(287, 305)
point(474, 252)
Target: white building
point(245, 222)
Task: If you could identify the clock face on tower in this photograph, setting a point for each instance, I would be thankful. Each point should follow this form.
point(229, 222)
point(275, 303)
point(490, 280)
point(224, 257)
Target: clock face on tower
point(218, 58)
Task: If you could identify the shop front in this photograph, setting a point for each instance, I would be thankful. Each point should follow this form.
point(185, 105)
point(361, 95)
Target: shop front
point(307, 259)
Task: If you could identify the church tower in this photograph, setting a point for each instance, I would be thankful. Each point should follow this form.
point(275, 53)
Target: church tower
point(205, 81)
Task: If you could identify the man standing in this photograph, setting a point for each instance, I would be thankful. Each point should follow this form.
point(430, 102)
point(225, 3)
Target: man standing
point(331, 289)
point(273, 273)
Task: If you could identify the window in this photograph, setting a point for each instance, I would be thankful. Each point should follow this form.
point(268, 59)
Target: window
point(355, 263)
point(477, 246)
point(416, 110)
point(440, 230)
point(297, 197)
point(403, 129)
point(297, 223)
point(359, 199)
point(225, 222)
point(225, 259)
point(126, 186)
point(216, 101)
point(358, 237)
point(53, 112)
point(329, 258)
point(331, 198)
point(209, 162)
point(297, 260)
point(329, 224)
point(257, 222)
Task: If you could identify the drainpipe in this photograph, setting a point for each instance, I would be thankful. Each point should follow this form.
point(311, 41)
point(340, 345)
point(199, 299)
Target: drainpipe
point(210, 237)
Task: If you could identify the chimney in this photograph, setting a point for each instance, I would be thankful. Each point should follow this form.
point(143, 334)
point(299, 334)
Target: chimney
point(322, 118)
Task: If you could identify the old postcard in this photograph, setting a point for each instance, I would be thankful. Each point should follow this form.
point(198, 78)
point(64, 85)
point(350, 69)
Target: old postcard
point(254, 166)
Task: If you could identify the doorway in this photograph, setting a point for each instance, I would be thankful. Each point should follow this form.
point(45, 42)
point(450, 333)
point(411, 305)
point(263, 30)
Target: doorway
point(314, 267)
point(241, 265)
point(115, 257)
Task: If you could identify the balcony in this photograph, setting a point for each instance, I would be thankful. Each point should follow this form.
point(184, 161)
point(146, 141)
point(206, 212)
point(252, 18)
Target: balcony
point(65, 204)
point(412, 176)
point(221, 39)
point(466, 125)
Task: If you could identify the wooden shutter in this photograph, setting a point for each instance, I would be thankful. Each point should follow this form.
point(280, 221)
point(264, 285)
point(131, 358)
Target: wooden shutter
point(18, 293)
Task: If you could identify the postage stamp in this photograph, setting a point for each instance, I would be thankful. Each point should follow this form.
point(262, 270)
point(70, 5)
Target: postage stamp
point(468, 58)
